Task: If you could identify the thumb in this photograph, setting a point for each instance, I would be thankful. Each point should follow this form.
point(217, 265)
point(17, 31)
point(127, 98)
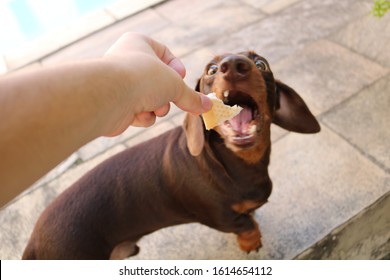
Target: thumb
point(193, 101)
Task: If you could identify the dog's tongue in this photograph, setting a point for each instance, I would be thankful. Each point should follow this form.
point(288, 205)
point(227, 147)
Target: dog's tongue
point(240, 123)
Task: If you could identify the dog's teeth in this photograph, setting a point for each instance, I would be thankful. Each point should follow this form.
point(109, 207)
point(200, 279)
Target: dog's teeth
point(226, 93)
point(253, 129)
point(242, 137)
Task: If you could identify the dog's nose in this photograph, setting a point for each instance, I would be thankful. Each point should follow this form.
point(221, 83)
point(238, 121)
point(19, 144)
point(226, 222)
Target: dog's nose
point(235, 67)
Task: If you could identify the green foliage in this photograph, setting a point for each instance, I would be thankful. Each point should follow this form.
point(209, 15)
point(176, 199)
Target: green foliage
point(380, 8)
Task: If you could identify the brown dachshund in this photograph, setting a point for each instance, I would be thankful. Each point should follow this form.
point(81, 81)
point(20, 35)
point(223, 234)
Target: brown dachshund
point(217, 177)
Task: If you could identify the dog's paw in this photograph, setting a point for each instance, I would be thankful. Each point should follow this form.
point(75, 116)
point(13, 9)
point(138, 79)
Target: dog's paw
point(124, 250)
point(250, 240)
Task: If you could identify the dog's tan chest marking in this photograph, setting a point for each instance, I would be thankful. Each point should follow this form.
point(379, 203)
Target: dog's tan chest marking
point(246, 206)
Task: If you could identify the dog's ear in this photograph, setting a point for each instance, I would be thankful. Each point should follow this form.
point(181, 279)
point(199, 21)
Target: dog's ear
point(193, 128)
point(291, 112)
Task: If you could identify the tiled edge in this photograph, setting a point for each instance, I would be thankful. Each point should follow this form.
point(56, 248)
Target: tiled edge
point(364, 120)
point(101, 144)
point(96, 44)
point(307, 204)
point(369, 36)
point(196, 61)
point(328, 74)
point(279, 35)
point(278, 5)
point(125, 8)
point(258, 4)
point(365, 236)
point(151, 132)
point(189, 34)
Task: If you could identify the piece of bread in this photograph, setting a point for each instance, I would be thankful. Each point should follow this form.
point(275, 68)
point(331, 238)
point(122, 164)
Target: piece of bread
point(219, 112)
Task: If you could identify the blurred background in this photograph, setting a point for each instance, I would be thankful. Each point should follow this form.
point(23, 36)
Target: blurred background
point(26, 20)
point(331, 191)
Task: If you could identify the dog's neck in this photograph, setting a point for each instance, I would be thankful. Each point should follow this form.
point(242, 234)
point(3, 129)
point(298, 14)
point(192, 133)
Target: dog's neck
point(255, 156)
point(259, 152)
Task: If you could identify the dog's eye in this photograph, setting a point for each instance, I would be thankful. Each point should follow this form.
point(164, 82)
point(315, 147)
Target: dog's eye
point(261, 65)
point(212, 69)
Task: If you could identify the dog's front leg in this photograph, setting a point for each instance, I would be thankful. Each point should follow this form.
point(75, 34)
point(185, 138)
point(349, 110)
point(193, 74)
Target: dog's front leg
point(247, 229)
point(250, 240)
point(244, 226)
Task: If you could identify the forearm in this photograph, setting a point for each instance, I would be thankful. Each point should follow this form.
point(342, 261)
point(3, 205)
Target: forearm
point(47, 115)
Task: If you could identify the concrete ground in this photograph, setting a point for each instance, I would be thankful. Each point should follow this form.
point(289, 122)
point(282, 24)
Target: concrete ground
point(331, 190)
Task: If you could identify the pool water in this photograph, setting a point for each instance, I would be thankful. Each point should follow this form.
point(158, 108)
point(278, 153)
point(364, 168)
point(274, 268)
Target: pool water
point(25, 20)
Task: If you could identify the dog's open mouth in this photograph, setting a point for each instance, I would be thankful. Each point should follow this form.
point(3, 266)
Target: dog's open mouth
point(242, 129)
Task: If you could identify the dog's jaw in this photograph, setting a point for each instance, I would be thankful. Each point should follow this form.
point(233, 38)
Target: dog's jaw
point(251, 147)
point(247, 134)
point(242, 130)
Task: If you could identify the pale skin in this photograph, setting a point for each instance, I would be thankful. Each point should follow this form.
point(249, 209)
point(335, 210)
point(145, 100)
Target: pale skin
point(47, 114)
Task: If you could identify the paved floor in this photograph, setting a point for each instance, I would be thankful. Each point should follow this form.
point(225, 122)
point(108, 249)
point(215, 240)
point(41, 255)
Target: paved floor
point(334, 53)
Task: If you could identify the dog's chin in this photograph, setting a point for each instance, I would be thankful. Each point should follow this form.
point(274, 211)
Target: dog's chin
point(244, 139)
point(243, 131)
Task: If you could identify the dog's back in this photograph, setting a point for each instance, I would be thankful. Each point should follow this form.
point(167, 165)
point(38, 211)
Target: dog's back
point(117, 195)
point(217, 177)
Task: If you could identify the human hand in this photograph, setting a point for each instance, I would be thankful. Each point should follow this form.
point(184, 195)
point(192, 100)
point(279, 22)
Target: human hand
point(155, 79)
point(62, 107)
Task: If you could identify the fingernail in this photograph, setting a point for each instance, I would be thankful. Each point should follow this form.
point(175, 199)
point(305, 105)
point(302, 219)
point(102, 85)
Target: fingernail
point(206, 102)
